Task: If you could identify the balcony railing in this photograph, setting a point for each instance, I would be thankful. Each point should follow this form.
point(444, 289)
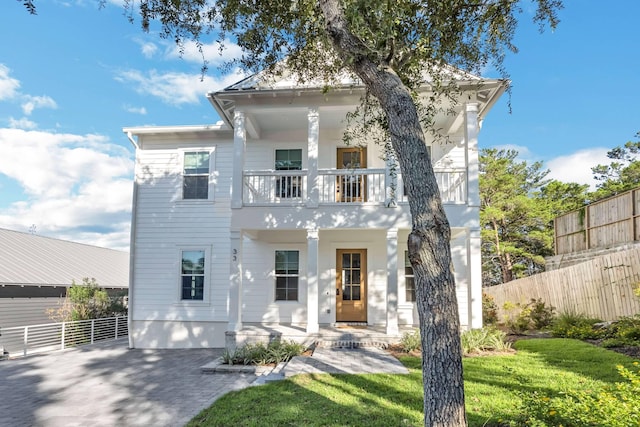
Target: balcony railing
point(337, 186)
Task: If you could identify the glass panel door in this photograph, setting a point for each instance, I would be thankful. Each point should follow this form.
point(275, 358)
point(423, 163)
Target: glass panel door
point(351, 294)
point(349, 186)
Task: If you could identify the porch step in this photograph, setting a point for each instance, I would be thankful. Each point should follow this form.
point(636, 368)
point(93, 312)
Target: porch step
point(354, 343)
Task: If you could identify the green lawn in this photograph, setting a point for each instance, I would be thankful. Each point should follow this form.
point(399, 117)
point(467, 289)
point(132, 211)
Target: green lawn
point(493, 386)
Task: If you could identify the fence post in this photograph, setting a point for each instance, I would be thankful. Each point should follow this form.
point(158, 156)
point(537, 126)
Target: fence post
point(26, 340)
point(116, 327)
point(63, 331)
point(93, 323)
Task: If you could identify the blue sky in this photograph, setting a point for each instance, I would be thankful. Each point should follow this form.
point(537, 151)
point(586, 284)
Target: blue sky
point(73, 76)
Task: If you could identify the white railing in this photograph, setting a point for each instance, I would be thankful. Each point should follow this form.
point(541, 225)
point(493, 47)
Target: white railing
point(23, 340)
point(351, 185)
point(274, 187)
point(451, 182)
point(337, 186)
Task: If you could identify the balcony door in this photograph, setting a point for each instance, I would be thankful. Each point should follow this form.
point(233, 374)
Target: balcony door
point(351, 285)
point(350, 186)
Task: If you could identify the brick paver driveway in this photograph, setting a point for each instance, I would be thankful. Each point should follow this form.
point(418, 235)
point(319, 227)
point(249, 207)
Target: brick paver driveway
point(107, 384)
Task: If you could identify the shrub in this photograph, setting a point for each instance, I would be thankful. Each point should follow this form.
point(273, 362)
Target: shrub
point(625, 331)
point(517, 317)
point(485, 339)
point(636, 289)
point(258, 354)
point(410, 341)
point(522, 318)
point(616, 405)
point(489, 310)
point(578, 326)
point(541, 315)
point(87, 301)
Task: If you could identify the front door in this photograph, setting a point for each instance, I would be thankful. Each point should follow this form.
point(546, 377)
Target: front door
point(351, 285)
point(351, 187)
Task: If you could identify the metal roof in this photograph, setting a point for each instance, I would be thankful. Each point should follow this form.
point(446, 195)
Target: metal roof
point(29, 259)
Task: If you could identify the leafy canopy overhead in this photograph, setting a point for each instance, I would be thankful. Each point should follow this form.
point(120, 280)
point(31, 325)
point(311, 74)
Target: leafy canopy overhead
point(402, 35)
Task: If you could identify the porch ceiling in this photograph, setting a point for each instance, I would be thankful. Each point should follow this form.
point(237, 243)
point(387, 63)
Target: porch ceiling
point(283, 119)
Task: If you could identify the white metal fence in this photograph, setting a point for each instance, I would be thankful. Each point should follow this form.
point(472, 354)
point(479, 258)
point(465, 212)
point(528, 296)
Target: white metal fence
point(24, 340)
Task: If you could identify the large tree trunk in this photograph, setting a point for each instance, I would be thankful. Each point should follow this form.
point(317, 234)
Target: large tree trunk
point(428, 244)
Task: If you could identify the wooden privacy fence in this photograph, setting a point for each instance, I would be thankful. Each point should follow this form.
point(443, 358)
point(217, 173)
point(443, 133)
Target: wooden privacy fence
point(602, 224)
point(602, 287)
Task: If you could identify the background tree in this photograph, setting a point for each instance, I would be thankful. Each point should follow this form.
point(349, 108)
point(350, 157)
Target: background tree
point(392, 47)
point(514, 222)
point(622, 174)
point(564, 197)
point(518, 206)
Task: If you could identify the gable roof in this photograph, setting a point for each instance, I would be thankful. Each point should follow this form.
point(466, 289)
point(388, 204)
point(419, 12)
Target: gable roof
point(29, 259)
point(285, 80)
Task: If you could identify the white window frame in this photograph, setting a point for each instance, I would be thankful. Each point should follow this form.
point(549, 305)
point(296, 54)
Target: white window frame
point(211, 175)
point(405, 276)
point(288, 184)
point(276, 276)
point(207, 275)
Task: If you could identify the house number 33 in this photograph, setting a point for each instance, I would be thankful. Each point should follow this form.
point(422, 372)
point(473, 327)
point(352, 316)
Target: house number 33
point(235, 254)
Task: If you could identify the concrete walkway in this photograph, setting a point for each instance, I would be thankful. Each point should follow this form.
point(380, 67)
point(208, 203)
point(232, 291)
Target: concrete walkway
point(108, 385)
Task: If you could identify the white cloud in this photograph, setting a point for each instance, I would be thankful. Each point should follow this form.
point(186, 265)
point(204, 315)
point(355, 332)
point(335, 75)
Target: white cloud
point(135, 110)
point(576, 167)
point(8, 85)
point(22, 123)
point(32, 102)
point(9, 90)
point(148, 49)
point(210, 52)
point(176, 88)
point(79, 187)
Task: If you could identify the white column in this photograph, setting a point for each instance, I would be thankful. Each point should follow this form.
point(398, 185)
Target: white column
point(235, 282)
point(239, 146)
point(312, 281)
point(475, 278)
point(392, 282)
point(312, 158)
point(471, 129)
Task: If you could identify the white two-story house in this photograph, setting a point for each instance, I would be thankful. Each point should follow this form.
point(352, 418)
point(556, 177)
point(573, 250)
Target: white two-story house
point(268, 220)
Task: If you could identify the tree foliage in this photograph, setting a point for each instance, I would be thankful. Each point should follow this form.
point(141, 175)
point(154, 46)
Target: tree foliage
point(518, 205)
point(87, 301)
point(622, 174)
point(392, 47)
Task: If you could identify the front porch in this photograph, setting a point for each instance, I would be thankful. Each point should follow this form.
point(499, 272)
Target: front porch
point(340, 335)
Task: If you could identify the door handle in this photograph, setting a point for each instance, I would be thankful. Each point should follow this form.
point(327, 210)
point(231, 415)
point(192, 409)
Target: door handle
point(337, 291)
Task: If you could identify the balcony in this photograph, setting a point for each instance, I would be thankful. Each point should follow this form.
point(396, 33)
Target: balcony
point(340, 186)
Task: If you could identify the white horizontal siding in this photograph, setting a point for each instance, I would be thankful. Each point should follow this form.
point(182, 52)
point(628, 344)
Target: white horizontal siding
point(259, 305)
point(261, 155)
point(448, 156)
point(166, 224)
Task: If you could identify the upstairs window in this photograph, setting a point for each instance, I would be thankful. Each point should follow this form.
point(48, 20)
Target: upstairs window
point(192, 275)
point(409, 283)
point(287, 275)
point(289, 186)
point(195, 175)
